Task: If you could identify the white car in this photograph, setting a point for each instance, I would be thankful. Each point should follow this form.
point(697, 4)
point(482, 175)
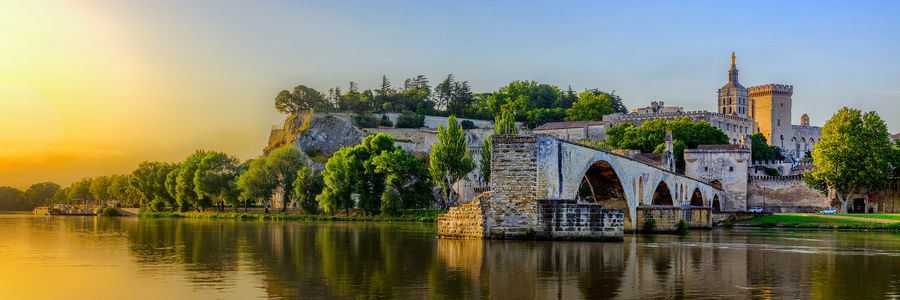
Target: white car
point(755, 210)
point(830, 211)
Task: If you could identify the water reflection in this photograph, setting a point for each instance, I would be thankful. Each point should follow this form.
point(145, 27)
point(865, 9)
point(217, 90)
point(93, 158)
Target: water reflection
point(239, 259)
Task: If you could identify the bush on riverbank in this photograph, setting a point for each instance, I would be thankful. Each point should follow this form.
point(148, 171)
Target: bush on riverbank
point(109, 211)
point(403, 215)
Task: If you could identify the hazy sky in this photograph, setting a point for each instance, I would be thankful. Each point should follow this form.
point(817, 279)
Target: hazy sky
point(90, 88)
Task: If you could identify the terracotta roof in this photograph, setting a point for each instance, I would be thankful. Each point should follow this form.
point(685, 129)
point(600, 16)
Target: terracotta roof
point(719, 147)
point(896, 136)
point(574, 124)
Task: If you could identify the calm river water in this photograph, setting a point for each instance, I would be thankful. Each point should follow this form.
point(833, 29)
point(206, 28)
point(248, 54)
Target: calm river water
point(130, 258)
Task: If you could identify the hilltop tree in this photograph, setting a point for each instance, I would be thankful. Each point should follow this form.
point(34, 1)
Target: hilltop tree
point(453, 96)
point(760, 149)
point(216, 179)
point(302, 98)
point(591, 105)
point(854, 152)
point(450, 159)
point(384, 95)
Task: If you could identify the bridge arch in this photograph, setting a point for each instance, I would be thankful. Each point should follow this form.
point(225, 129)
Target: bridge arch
point(662, 195)
point(716, 205)
point(697, 197)
point(601, 184)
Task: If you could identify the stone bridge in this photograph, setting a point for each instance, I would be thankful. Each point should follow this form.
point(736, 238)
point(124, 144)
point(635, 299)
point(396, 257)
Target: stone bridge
point(556, 189)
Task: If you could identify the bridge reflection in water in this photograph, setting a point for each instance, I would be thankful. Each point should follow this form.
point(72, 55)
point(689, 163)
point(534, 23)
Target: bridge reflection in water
point(222, 259)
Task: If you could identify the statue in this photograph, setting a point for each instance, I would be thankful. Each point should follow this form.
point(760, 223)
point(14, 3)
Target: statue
point(732, 59)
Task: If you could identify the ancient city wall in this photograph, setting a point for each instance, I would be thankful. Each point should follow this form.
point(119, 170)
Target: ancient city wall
point(784, 194)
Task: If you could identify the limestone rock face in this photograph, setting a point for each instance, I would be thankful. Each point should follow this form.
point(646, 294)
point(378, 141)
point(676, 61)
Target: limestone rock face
point(328, 133)
point(325, 133)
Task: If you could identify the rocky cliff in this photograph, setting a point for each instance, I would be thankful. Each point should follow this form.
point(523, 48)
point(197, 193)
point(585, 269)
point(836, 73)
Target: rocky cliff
point(316, 133)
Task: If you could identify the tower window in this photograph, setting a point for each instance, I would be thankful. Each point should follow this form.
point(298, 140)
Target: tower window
point(730, 169)
point(779, 122)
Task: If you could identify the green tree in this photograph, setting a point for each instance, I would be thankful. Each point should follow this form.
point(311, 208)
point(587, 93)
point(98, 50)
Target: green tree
point(486, 148)
point(854, 152)
point(302, 98)
point(40, 194)
point(760, 149)
point(11, 199)
point(385, 96)
point(591, 105)
point(368, 170)
point(216, 179)
point(185, 193)
point(149, 182)
point(307, 185)
point(81, 191)
point(522, 96)
point(256, 185)
point(453, 96)
point(406, 177)
point(505, 123)
point(450, 159)
point(282, 165)
point(99, 188)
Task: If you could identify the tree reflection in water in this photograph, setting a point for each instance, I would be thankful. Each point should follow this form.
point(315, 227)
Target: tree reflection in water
point(381, 260)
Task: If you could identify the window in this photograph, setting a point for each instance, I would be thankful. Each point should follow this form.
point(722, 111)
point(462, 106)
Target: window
point(705, 168)
point(730, 169)
point(779, 122)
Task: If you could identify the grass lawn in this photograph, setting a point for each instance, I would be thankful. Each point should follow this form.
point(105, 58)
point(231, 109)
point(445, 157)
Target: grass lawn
point(874, 216)
point(800, 221)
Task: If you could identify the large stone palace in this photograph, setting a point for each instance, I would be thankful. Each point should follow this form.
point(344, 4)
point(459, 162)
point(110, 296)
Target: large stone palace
point(741, 112)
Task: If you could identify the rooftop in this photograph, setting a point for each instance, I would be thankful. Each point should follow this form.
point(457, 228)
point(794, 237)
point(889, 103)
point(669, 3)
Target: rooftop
point(719, 147)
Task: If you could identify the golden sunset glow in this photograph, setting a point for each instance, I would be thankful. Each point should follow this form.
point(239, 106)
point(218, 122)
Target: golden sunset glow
point(81, 95)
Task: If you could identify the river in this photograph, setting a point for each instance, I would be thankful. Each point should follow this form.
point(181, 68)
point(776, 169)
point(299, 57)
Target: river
point(115, 258)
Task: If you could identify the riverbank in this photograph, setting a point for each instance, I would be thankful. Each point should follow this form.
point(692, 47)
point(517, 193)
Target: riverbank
point(809, 221)
point(409, 215)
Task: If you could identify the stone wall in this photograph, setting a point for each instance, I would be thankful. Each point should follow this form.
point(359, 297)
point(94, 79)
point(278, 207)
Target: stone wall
point(784, 194)
point(568, 219)
point(465, 220)
point(513, 211)
point(667, 217)
point(728, 167)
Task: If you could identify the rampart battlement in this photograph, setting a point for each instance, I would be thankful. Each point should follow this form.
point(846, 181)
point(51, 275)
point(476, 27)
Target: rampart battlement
point(770, 89)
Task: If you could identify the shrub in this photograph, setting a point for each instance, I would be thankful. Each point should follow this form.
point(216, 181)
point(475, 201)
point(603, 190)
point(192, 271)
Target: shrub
point(365, 121)
point(650, 225)
point(109, 211)
point(410, 120)
point(467, 124)
point(386, 122)
point(682, 227)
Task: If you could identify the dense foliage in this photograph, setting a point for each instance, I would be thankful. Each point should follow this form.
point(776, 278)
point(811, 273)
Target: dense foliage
point(529, 102)
point(760, 149)
point(369, 170)
point(855, 151)
point(651, 135)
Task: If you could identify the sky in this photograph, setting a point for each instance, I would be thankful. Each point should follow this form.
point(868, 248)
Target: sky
point(92, 88)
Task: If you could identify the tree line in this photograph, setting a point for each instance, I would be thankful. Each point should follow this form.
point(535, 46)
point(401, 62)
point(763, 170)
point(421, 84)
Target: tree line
point(373, 177)
point(530, 102)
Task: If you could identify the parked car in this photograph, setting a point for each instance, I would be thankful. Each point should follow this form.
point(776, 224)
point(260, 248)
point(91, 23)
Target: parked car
point(829, 211)
point(755, 209)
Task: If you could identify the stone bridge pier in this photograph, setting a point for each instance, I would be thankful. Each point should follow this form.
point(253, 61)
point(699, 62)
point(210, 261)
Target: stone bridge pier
point(544, 187)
